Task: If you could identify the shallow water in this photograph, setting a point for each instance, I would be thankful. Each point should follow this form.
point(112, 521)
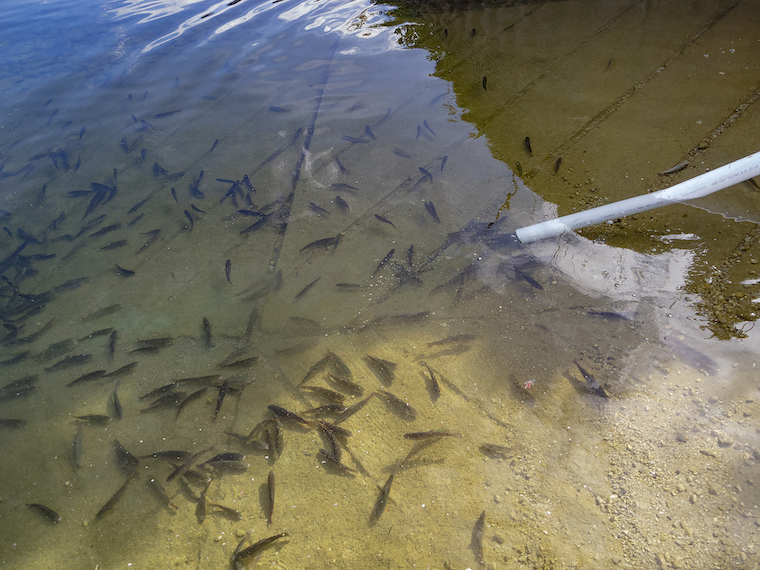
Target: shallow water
point(157, 116)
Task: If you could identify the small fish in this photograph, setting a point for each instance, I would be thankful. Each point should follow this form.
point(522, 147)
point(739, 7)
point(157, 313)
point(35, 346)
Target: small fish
point(200, 507)
point(425, 124)
point(174, 194)
point(124, 272)
point(12, 423)
point(284, 414)
point(369, 133)
point(270, 489)
point(68, 361)
point(532, 282)
point(443, 161)
point(385, 260)
point(112, 345)
point(485, 80)
point(318, 209)
point(241, 558)
point(494, 449)
point(399, 152)
point(324, 243)
point(111, 503)
point(316, 369)
point(353, 140)
point(557, 165)
point(118, 410)
point(677, 168)
point(125, 459)
point(78, 446)
point(46, 512)
point(182, 469)
point(192, 397)
point(306, 289)
point(431, 210)
point(189, 216)
point(397, 405)
point(345, 187)
point(88, 377)
point(435, 388)
point(477, 538)
point(161, 493)
point(592, 382)
point(223, 389)
point(526, 142)
point(417, 435)
point(96, 419)
point(351, 410)
point(273, 108)
point(194, 208)
point(216, 142)
point(453, 339)
point(114, 245)
point(383, 369)
point(419, 132)
point(207, 332)
point(326, 394)
point(342, 204)
point(382, 500)
point(166, 114)
point(384, 220)
point(228, 271)
point(426, 174)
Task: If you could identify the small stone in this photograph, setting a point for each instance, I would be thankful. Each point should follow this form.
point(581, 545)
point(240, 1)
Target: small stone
point(725, 441)
point(693, 499)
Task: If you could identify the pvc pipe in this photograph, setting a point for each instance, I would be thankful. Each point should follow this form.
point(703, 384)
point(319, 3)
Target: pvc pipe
point(702, 185)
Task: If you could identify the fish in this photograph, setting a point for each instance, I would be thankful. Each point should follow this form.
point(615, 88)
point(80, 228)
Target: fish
point(161, 493)
point(342, 204)
point(125, 459)
point(178, 455)
point(200, 507)
point(426, 174)
point(216, 142)
point(369, 133)
point(427, 126)
point(207, 332)
point(345, 187)
point(417, 435)
point(591, 382)
point(431, 210)
point(104, 312)
point(383, 369)
point(399, 152)
point(173, 190)
point(526, 143)
point(324, 243)
point(385, 260)
point(192, 397)
point(326, 410)
point(443, 161)
point(166, 114)
point(112, 343)
point(111, 503)
point(20, 383)
point(453, 339)
point(222, 393)
point(114, 245)
point(435, 388)
point(397, 405)
point(274, 108)
point(182, 469)
point(135, 220)
point(46, 512)
point(419, 132)
point(137, 206)
point(170, 400)
point(94, 375)
point(75, 360)
point(528, 279)
point(353, 140)
point(118, 410)
point(122, 370)
point(318, 209)
point(677, 168)
point(153, 237)
point(382, 500)
point(270, 489)
point(284, 414)
point(384, 220)
point(485, 82)
point(306, 289)
point(351, 410)
point(226, 511)
point(495, 449)
point(124, 272)
point(97, 419)
point(189, 216)
point(335, 463)
point(316, 369)
point(194, 208)
point(477, 538)
point(241, 558)
point(557, 165)
point(78, 446)
point(228, 271)
point(12, 423)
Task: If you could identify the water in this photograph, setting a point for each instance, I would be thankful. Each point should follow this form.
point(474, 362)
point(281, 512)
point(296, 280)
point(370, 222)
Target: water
point(387, 109)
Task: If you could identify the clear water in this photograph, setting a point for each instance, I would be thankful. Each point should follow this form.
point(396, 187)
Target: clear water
point(320, 104)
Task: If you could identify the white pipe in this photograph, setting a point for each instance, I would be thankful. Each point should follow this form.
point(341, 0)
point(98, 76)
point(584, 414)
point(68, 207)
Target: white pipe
point(704, 184)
